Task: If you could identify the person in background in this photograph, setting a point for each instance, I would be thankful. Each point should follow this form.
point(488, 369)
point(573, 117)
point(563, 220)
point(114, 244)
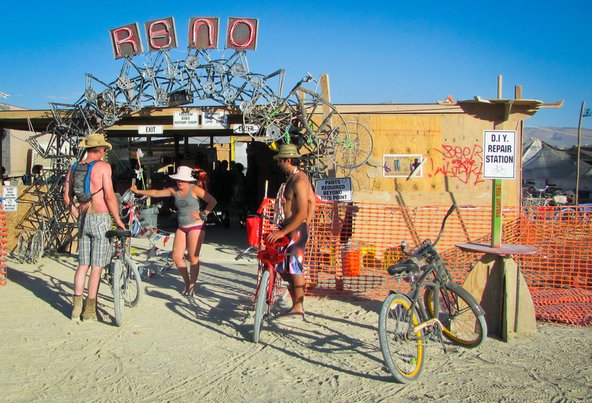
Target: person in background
point(295, 207)
point(94, 220)
point(192, 215)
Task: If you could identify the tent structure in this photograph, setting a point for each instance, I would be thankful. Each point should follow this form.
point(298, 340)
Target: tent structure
point(544, 164)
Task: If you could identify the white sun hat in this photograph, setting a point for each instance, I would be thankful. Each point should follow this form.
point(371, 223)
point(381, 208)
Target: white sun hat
point(183, 174)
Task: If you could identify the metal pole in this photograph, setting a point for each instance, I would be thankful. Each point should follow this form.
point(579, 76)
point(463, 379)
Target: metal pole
point(496, 193)
point(578, 159)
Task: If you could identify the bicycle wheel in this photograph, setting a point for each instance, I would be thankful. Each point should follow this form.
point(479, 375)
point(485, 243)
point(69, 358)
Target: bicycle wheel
point(36, 246)
point(351, 145)
point(133, 284)
point(23, 246)
point(402, 347)
point(463, 320)
point(118, 290)
point(261, 305)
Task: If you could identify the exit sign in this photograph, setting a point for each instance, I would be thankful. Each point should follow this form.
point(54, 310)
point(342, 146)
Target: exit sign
point(150, 129)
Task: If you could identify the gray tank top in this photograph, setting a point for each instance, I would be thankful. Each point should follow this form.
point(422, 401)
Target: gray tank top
point(186, 206)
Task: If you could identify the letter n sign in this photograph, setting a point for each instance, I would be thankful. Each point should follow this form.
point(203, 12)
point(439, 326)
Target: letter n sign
point(242, 33)
point(126, 41)
point(203, 33)
point(161, 34)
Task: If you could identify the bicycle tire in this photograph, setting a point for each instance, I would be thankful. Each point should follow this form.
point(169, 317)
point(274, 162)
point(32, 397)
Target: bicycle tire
point(36, 246)
point(401, 346)
point(133, 284)
point(23, 246)
point(351, 145)
point(118, 291)
point(260, 305)
point(463, 320)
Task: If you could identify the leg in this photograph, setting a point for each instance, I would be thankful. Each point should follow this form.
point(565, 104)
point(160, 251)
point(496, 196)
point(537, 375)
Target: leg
point(79, 280)
point(194, 241)
point(179, 246)
point(296, 289)
point(90, 308)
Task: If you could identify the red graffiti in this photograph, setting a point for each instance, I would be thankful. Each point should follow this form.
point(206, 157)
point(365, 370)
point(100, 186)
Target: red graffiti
point(462, 163)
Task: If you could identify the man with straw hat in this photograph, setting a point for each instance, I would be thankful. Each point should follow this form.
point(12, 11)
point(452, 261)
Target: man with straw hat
point(295, 204)
point(94, 219)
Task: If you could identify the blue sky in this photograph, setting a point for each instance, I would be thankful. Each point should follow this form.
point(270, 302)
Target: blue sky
point(373, 51)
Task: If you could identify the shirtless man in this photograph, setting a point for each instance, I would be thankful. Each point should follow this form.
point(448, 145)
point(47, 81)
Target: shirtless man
point(296, 202)
point(94, 219)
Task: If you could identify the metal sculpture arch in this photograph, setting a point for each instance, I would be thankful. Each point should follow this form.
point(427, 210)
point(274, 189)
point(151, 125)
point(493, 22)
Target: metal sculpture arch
point(303, 118)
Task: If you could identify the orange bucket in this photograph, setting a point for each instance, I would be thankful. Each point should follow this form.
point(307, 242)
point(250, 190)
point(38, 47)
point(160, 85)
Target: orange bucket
point(350, 262)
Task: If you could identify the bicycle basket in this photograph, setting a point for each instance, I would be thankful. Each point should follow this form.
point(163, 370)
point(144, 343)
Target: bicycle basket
point(254, 230)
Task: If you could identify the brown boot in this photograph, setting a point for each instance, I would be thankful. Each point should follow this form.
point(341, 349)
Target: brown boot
point(90, 310)
point(77, 308)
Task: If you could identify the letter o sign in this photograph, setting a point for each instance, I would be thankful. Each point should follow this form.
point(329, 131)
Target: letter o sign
point(242, 33)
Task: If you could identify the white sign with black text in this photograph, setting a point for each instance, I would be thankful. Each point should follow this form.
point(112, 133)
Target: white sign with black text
point(499, 154)
point(185, 120)
point(334, 189)
point(150, 129)
point(9, 198)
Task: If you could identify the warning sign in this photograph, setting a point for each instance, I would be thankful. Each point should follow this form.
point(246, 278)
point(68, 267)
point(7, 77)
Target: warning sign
point(334, 189)
point(499, 154)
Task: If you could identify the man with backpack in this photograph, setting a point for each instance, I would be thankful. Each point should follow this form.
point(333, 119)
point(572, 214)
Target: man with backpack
point(89, 194)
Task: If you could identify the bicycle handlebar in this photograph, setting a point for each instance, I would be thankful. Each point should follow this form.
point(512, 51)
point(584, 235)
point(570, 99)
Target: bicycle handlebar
point(448, 213)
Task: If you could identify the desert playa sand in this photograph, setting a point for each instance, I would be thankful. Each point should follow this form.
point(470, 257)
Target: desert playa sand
point(175, 349)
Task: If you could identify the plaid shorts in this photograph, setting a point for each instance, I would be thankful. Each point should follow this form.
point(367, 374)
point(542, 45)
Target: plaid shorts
point(94, 247)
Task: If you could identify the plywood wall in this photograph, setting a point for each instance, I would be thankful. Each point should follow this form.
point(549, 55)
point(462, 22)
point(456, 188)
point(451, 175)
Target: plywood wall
point(450, 143)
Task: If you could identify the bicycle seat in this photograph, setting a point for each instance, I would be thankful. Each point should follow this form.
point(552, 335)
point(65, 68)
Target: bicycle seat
point(120, 233)
point(403, 266)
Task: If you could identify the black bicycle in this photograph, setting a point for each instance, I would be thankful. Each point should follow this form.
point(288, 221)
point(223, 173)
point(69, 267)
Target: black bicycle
point(122, 274)
point(434, 307)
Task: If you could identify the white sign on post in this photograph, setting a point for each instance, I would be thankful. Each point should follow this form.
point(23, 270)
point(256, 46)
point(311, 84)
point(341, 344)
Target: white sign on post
point(334, 189)
point(499, 154)
point(185, 120)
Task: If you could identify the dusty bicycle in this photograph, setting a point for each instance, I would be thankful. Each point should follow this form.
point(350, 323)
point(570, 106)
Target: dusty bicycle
point(435, 307)
point(269, 290)
point(122, 274)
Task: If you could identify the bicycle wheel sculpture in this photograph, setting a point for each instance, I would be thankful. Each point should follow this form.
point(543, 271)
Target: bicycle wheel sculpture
point(303, 117)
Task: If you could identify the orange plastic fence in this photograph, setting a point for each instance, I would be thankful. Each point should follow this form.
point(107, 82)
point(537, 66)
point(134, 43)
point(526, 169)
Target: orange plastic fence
point(352, 244)
point(3, 245)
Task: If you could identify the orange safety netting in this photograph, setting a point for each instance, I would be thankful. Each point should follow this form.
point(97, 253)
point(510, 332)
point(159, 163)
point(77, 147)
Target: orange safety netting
point(352, 244)
point(3, 245)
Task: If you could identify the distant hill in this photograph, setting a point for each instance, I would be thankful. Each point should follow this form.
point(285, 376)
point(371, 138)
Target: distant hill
point(564, 137)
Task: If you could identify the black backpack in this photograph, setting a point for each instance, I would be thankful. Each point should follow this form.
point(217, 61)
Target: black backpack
point(81, 181)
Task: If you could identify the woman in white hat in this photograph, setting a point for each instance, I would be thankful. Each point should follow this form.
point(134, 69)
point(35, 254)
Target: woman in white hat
point(189, 199)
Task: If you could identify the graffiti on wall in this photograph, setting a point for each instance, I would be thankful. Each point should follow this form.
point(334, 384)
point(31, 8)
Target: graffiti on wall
point(464, 163)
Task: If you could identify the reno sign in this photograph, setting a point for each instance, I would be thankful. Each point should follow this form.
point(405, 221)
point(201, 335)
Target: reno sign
point(161, 34)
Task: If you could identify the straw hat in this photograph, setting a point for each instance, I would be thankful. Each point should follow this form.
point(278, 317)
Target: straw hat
point(183, 174)
point(287, 151)
point(95, 140)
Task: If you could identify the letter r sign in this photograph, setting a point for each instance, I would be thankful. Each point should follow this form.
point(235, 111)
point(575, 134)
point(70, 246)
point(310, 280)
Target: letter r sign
point(126, 41)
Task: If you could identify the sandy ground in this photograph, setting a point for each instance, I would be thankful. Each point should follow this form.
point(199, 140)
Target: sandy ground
point(175, 349)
